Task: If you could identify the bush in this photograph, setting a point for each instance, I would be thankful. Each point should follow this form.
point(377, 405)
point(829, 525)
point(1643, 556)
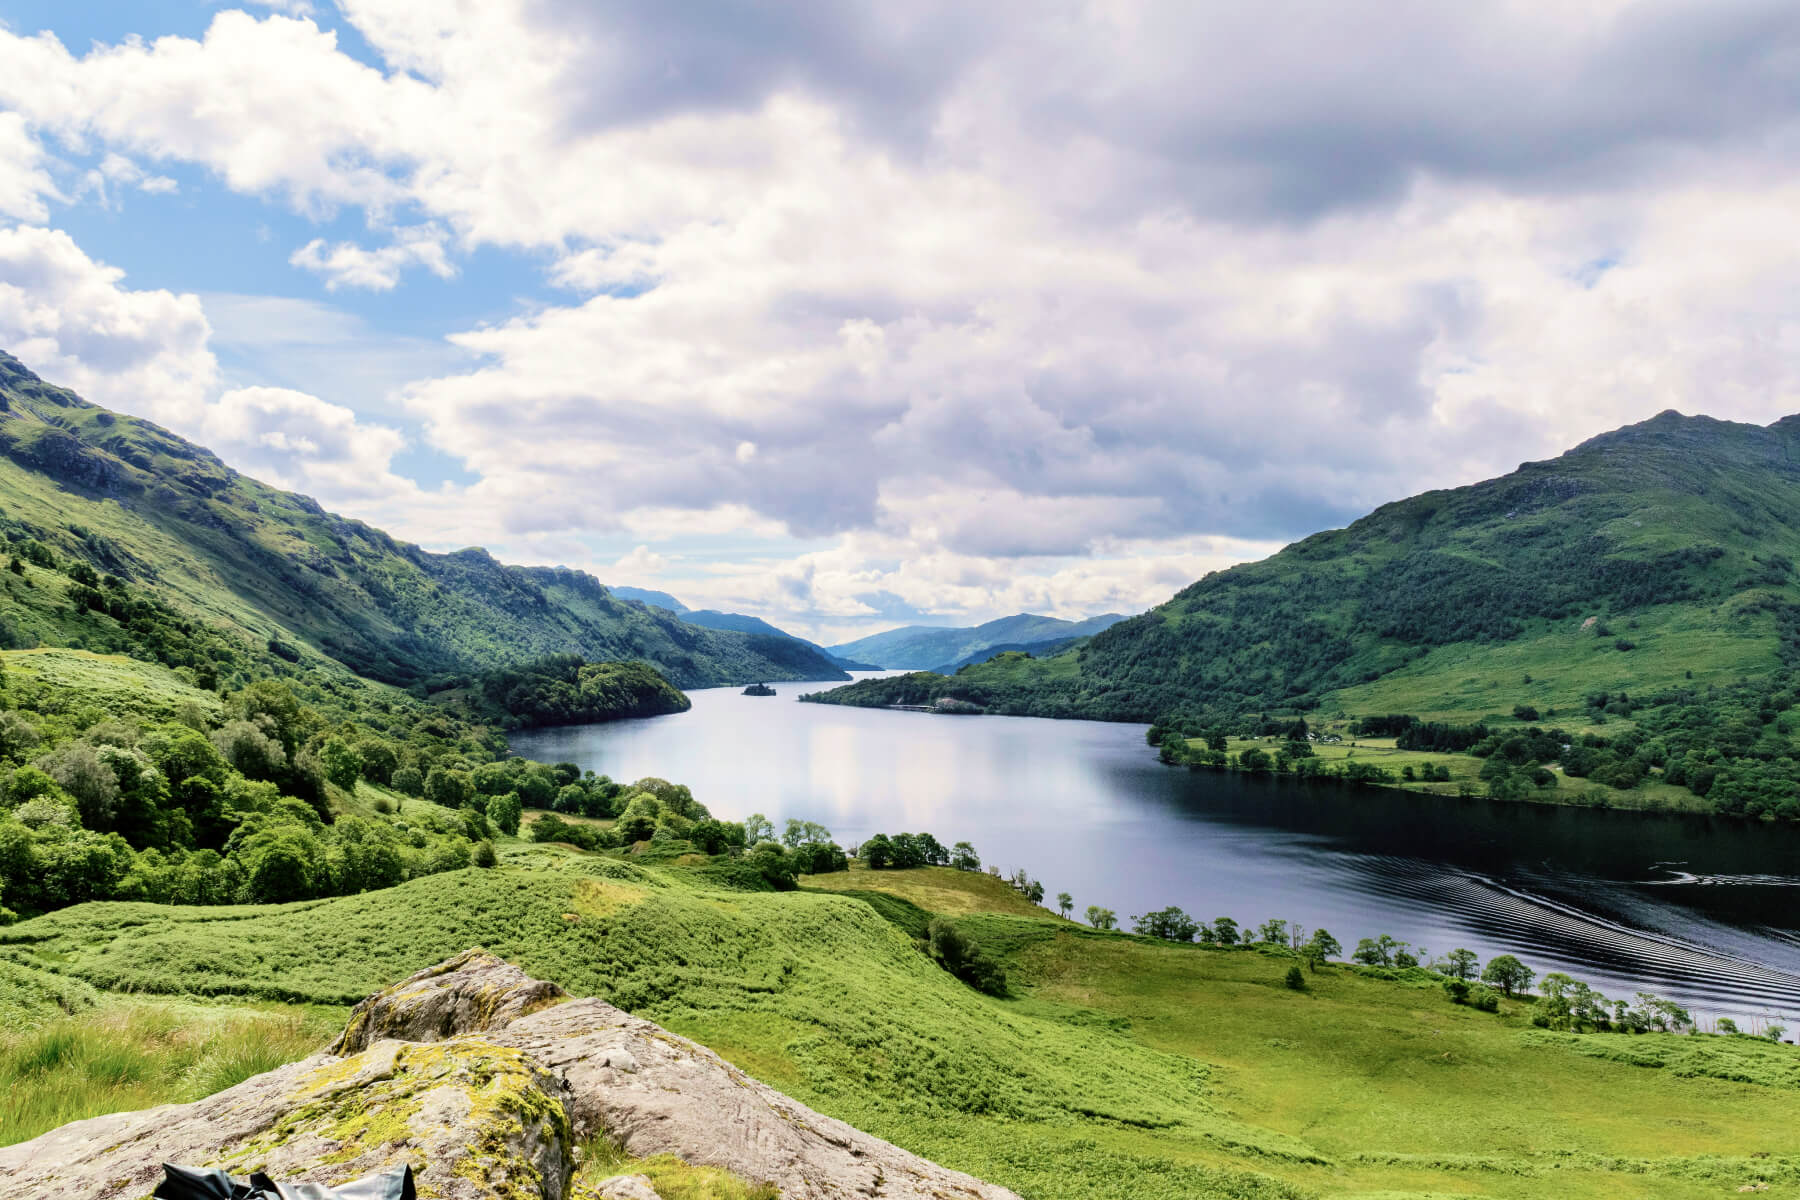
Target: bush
point(1457, 990)
point(773, 863)
point(959, 956)
point(484, 855)
point(1296, 978)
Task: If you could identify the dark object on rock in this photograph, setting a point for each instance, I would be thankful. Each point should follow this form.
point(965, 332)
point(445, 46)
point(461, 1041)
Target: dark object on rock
point(759, 689)
point(193, 1183)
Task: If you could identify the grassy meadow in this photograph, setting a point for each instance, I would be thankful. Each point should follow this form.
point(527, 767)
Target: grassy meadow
point(1553, 665)
point(1465, 770)
point(1117, 1067)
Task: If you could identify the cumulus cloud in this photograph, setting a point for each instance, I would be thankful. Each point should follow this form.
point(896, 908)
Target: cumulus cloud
point(303, 443)
point(345, 264)
point(1006, 305)
point(24, 176)
point(70, 319)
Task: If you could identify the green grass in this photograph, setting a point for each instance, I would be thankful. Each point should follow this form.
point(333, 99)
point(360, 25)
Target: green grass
point(127, 1054)
point(1677, 646)
point(951, 893)
point(107, 683)
point(1120, 1068)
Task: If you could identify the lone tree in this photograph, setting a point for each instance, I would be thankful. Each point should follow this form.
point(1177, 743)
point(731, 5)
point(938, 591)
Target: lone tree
point(1102, 918)
point(1065, 902)
point(1321, 948)
point(1508, 974)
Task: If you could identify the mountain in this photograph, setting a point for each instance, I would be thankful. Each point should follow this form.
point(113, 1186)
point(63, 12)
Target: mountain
point(740, 623)
point(1641, 556)
point(647, 596)
point(255, 570)
point(923, 647)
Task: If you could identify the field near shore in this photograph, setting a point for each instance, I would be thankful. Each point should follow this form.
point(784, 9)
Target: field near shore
point(1117, 1067)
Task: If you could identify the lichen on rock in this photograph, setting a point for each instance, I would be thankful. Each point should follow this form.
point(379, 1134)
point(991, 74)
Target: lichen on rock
point(466, 994)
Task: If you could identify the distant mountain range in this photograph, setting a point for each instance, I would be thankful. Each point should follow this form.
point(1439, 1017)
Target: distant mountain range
point(649, 596)
point(710, 618)
point(937, 648)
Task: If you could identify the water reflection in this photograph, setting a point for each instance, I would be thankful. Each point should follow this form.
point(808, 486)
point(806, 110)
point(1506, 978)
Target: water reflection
point(1699, 910)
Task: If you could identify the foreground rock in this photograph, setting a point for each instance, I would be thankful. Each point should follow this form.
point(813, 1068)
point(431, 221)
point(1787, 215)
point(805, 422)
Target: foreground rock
point(485, 1080)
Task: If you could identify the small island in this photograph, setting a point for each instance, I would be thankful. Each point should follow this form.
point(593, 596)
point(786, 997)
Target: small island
point(759, 689)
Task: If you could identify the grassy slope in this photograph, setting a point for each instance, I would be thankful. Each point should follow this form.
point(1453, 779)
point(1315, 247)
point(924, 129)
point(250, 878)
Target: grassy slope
point(110, 683)
point(1121, 1067)
point(261, 563)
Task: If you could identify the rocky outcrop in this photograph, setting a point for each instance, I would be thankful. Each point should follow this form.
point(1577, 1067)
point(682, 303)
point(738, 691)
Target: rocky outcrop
point(485, 1080)
point(470, 993)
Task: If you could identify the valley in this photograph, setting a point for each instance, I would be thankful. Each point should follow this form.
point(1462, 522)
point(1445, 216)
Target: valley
point(262, 762)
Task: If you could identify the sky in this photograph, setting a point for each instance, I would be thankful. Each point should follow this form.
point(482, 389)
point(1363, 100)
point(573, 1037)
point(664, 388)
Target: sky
point(851, 315)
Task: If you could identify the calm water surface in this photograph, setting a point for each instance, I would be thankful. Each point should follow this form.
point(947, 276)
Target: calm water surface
point(1702, 911)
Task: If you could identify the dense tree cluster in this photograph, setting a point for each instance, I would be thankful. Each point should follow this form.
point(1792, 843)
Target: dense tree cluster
point(563, 689)
point(247, 803)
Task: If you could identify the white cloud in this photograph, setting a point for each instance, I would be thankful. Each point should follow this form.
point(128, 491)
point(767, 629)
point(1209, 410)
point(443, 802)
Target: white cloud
point(300, 442)
point(347, 265)
point(641, 563)
point(24, 178)
point(70, 319)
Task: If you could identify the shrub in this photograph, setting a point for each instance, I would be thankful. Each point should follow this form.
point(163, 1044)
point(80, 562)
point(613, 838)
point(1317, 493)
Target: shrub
point(1296, 978)
point(959, 956)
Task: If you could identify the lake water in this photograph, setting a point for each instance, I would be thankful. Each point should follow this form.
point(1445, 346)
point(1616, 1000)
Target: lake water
point(1702, 911)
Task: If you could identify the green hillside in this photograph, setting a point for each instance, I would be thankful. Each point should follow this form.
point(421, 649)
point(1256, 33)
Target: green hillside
point(1117, 1066)
point(266, 571)
point(1636, 596)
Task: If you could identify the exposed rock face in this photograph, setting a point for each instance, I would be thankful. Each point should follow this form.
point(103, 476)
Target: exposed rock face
point(484, 1079)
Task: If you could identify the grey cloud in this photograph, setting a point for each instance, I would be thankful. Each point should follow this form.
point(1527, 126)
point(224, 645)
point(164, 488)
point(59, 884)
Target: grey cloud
point(1298, 108)
point(1283, 110)
point(889, 63)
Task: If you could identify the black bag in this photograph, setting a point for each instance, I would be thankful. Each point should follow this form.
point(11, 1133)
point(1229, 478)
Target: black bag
point(193, 1183)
